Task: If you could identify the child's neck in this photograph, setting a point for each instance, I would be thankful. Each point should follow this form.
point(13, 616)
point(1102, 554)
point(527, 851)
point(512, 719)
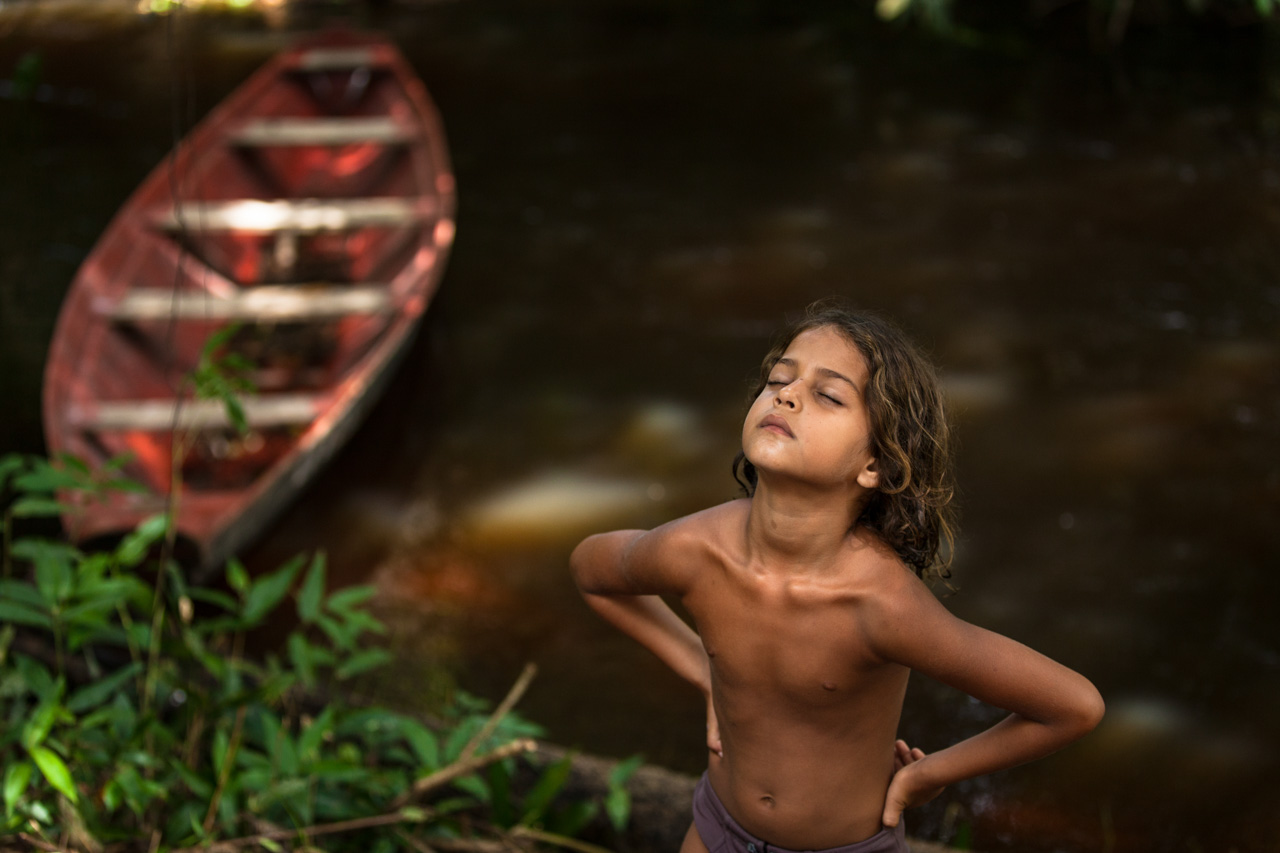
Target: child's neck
point(801, 527)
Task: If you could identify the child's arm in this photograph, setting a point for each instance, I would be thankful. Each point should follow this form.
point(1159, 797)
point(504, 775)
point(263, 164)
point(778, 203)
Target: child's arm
point(1051, 705)
point(619, 575)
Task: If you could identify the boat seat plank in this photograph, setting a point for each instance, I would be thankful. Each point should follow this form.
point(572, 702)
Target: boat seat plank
point(157, 415)
point(302, 216)
point(265, 303)
point(323, 131)
point(339, 59)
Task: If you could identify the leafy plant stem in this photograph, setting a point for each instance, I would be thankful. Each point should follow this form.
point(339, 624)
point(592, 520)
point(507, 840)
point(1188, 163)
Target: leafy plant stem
point(399, 816)
point(58, 659)
point(414, 843)
point(153, 652)
point(228, 763)
point(170, 536)
point(40, 844)
point(194, 733)
point(557, 840)
point(6, 570)
point(513, 696)
point(464, 768)
point(135, 653)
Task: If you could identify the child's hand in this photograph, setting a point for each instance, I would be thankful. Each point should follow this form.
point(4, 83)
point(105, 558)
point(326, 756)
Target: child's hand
point(713, 730)
point(904, 791)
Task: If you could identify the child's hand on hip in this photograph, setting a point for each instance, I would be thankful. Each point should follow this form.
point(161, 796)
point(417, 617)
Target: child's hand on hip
point(713, 730)
point(905, 789)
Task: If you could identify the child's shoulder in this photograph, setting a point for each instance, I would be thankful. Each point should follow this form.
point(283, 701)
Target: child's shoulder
point(713, 527)
point(895, 608)
point(879, 574)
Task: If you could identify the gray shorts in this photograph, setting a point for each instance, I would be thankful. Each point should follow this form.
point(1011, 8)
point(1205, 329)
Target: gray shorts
point(722, 834)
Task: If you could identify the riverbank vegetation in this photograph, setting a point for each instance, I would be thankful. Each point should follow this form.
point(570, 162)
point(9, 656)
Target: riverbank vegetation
point(1103, 25)
point(132, 718)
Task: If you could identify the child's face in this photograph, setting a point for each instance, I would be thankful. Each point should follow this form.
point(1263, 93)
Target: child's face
point(810, 422)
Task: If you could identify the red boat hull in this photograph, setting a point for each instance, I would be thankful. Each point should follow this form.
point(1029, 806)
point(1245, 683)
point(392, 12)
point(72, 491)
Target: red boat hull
point(313, 209)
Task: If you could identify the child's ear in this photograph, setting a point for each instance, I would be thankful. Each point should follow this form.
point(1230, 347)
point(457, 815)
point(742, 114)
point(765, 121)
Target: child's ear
point(869, 476)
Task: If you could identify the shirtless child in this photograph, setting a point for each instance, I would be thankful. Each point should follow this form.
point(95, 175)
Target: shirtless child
point(811, 609)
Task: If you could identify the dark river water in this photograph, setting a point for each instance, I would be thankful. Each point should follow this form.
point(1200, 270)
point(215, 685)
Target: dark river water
point(1089, 248)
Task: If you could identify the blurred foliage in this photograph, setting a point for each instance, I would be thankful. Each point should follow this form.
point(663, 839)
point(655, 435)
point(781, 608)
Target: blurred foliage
point(1106, 22)
point(131, 717)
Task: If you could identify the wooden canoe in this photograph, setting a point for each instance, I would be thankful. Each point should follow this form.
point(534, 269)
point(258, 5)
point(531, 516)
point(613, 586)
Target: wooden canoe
point(314, 210)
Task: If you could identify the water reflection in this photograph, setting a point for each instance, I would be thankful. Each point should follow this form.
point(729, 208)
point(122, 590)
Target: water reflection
point(644, 190)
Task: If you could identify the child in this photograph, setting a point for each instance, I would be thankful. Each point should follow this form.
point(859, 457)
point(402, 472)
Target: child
point(811, 610)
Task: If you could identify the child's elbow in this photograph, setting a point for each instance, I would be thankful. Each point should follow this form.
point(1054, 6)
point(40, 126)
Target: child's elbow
point(1088, 710)
point(579, 565)
point(585, 564)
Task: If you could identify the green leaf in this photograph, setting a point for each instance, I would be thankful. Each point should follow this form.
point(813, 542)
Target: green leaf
point(298, 649)
point(212, 596)
point(345, 599)
point(44, 477)
point(624, 770)
point(235, 412)
point(312, 593)
point(40, 724)
point(460, 737)
point(74, 464)
point(11, 611)
point(548, 785)
point(474, 786)
point(16, 778)
point(500, 805)
point(201, 787)
point(36, 507)
point(218, 750)
point(424, 743)
point(55, 771)
point(285, 752)
point(267, 592)
point(237, 575)
point(138, 792)
point(136, 545)
point(266, 726)
point(36, 676)
point(291, 792)
point(40, 812)
point(312, 736)
point(93, 695)
point(362, 662)
point(21, 592)
point(617, 805)
point(125, 721)
point(53, 563)
point(574, 818)
point(10, 464)
point(112, 795)
point(183, 826)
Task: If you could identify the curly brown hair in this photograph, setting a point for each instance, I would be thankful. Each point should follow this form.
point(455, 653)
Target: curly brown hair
point(912, 509)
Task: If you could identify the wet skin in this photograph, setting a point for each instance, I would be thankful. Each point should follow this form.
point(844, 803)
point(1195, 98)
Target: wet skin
point(808, 627)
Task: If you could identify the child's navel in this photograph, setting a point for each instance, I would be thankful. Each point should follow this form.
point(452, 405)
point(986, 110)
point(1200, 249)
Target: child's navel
point(767, 801)
point(828, 685)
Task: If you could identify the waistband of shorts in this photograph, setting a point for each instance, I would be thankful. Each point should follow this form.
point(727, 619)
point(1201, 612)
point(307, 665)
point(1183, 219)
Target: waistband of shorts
point(887, 840)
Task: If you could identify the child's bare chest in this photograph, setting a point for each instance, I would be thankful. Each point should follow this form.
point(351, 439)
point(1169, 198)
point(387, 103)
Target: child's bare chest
point(794, 641)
